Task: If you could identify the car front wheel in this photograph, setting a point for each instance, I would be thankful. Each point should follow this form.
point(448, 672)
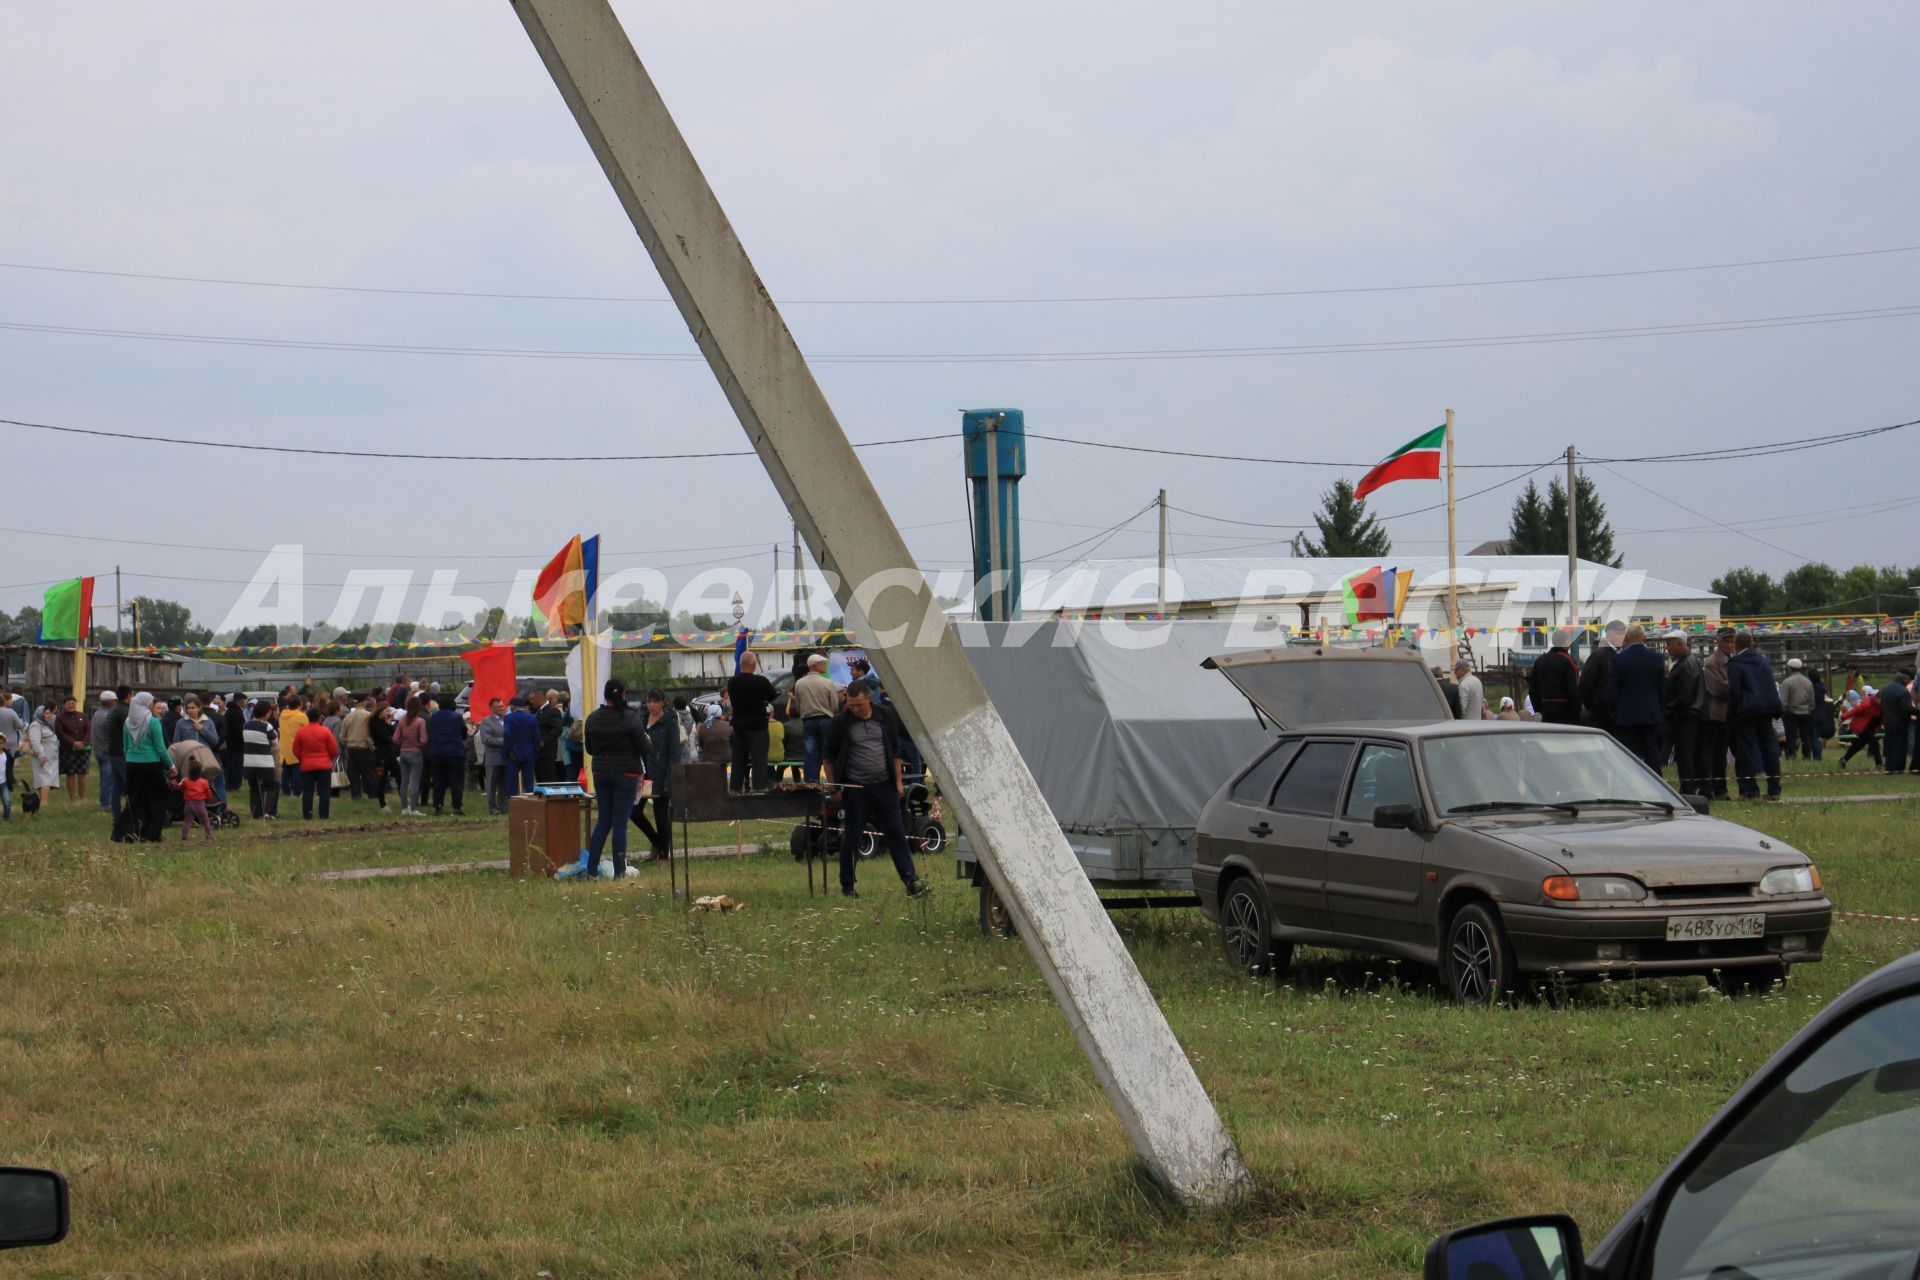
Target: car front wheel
point(1479, 961)
point(1246, 932)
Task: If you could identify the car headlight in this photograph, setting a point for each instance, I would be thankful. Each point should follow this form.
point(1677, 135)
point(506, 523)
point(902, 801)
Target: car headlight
point(1593, 889)
point(1790, 880)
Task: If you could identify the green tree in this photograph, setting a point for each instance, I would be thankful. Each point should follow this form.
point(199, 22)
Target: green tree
point(1596, 534)
point(164, 623)
point(1345, 527)
point(22, 628)
point(1747, 591)
point(1528, 528)
point(1810, 587)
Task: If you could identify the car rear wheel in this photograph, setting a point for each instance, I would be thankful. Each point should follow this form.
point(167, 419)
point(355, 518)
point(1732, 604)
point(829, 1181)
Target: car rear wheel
point(1478, 960)
point(1246, 932)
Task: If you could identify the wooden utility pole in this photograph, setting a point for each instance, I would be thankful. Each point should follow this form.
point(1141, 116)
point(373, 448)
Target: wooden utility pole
point(119, 615)
point(1573, 548)
point(1161, 599)
point(1453, 570)
point(799, 618)
point(787, 420)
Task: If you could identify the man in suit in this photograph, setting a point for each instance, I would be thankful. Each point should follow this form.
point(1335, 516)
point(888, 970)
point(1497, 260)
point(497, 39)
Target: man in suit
point(1596, 679)
point(1685, 701)
point(1636, 676)
point(1554, 682)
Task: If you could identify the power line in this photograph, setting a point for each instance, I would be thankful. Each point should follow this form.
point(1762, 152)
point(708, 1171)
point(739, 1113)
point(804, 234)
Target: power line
point(1703, 515)
point(1731, 453)
point(1103, 535)
point(435, 457)
point(1791, 520)
point(1737, 325)
point(974, 302)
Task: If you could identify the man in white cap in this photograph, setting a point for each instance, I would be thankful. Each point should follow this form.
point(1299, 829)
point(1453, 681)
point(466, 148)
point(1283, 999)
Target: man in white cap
point(815, 702)
point(1796, 703)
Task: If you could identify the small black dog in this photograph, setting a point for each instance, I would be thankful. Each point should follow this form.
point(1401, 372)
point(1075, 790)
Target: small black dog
point(29, 801)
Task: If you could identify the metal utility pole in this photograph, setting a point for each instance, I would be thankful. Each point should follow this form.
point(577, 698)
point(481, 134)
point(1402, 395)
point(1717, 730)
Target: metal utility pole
point(996, 589)
point(1573, 548)
point(1453, 571)
point(1161, 599)
point(732, 317)
point(799, 618)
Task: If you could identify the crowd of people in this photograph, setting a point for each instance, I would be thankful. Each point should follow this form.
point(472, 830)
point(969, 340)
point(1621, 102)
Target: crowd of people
point(413, 746)
point(1698, 715)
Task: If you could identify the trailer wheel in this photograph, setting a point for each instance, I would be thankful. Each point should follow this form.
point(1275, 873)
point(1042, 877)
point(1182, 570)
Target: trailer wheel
point(995, 920)
point(933, 836)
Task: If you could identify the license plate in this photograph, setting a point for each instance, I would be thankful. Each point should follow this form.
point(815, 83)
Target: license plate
point(1714, 928)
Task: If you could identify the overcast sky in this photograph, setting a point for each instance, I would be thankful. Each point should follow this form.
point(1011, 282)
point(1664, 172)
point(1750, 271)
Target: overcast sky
point(889, 151)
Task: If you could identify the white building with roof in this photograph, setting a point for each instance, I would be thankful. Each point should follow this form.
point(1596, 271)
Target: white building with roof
point(1508, 602)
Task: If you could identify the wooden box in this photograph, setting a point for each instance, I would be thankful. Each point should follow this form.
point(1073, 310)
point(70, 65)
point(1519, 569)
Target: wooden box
point(544, 834)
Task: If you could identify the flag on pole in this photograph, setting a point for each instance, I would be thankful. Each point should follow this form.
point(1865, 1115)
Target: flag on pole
point(493, 677)
point(66, 612)
point(740, 648)
point(1365, 596)
point(1417, 459)
point(560, 592)
point(590, 576)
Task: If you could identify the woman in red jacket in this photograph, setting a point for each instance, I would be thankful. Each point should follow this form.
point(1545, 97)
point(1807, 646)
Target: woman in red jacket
point(1863, 722)
point(314, 750)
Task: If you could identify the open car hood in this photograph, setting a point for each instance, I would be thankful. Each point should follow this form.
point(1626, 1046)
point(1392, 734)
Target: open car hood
point(1299, 687)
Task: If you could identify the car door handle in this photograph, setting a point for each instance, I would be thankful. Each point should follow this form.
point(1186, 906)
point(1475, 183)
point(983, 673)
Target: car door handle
point(1262, 830)
point(1340, 838)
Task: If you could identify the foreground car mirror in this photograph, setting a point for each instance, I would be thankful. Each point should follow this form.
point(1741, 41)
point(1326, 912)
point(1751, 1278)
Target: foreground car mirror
point(1544, 1247)
point(1700, 803)
point(33, 1207)
point(1397, 817)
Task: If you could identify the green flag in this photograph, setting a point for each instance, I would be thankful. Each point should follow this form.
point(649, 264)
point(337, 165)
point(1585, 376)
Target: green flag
point(67, 610)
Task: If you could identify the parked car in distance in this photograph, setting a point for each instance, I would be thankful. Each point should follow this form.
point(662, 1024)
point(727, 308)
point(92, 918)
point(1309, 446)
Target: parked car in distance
point(1807, 1171)
point(1493, 850)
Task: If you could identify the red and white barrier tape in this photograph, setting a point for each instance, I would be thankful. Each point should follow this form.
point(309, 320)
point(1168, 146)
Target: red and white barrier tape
point(1868, 915)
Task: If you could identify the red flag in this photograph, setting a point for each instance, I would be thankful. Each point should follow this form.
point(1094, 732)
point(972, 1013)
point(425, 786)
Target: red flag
point(493, 677)
point(560, 592)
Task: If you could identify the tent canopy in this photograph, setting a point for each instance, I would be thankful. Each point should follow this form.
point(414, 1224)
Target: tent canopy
point(1120, 733)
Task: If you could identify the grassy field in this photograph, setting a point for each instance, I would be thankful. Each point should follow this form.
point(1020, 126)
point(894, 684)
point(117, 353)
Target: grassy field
point(247, 1070)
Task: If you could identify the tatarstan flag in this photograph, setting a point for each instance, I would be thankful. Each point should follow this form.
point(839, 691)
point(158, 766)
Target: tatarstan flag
point(1417, 459)
point(67, 610)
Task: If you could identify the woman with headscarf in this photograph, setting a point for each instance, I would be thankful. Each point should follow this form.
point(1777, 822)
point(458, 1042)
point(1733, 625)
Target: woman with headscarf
point(43, 741)
point(149, 769)
point(1507, 711)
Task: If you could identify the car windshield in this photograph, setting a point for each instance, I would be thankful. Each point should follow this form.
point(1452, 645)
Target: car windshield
point(1481, 772)
point(1821, 1167)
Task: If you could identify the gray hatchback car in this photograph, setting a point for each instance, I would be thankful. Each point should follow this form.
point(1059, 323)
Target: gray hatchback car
point(1493, 850)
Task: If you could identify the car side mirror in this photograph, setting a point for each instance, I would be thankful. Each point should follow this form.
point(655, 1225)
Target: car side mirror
point(1701, 804)
point(33, 1207)
point(1544, 1247)
point(1397, 817)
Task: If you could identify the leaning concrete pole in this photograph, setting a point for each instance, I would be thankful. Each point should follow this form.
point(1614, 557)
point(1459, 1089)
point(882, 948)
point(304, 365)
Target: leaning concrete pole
point(1133, 1050)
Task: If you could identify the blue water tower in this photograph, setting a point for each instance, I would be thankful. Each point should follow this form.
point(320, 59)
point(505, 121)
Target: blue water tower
point(996, 449)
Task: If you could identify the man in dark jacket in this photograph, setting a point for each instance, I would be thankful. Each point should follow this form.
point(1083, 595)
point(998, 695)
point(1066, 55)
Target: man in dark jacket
point(1896, 719)
point(447, 757)
point(1636, 675)
point(1554, 682)
point(863, 760)
point(522, 730)
point(1716, 726)
point(750, 694)
point(1682, 700)
point(552, 721)
point(1596, 679)
point(1753, 700)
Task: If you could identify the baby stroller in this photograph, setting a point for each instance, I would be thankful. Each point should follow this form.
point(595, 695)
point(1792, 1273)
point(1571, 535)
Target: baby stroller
point(920, 811)
point(221, 815)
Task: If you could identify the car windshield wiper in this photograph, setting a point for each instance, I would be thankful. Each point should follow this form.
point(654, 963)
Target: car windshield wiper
point(1604, 802)
point(1498, 806)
